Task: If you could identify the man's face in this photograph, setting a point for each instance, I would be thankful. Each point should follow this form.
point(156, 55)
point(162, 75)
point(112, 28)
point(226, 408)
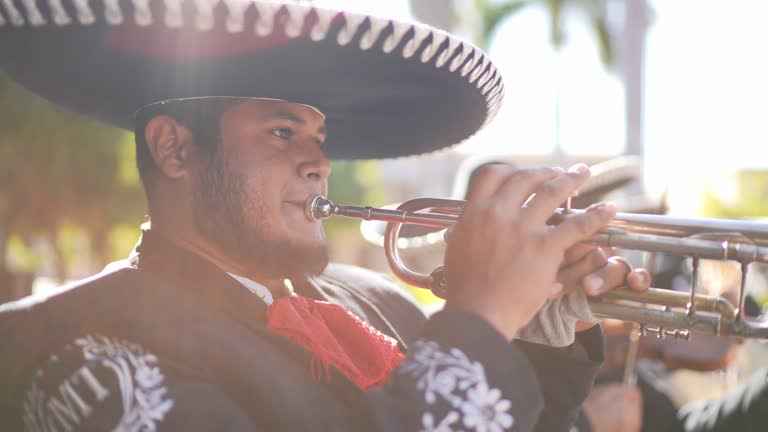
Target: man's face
point(250, 197)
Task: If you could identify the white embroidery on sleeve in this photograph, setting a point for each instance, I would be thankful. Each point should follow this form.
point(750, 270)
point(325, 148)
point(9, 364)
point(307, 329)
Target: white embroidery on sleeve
point(69, 403)
point(453, 377)
point(141, 382)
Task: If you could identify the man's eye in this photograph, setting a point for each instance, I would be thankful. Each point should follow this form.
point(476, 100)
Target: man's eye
point(284, 133)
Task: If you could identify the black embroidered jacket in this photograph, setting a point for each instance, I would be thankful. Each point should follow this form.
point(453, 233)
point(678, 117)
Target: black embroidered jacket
point(166, 341)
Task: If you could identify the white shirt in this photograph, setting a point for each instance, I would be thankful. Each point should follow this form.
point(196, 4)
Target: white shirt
point(260, 290)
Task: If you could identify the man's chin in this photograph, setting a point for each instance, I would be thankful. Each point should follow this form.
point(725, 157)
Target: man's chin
point(318, 268)
point(303, 256)
point(316, 260)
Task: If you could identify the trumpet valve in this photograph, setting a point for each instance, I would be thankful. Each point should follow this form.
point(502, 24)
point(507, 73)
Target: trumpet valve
point(663, 332)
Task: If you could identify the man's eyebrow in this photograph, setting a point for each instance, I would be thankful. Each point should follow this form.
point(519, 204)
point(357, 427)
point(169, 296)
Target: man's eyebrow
point(285, 115)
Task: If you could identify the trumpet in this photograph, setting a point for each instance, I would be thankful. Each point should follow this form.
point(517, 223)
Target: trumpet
point(660, 312)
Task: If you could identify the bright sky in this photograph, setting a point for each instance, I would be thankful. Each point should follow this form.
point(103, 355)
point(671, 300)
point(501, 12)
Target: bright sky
point(706, 91)
point(536, 80)
point(708, 83)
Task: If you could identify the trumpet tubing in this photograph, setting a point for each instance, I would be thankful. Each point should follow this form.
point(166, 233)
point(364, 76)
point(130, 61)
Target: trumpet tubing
point(656, 310)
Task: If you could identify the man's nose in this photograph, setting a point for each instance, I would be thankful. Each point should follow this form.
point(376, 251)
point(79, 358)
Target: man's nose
point(316, 167)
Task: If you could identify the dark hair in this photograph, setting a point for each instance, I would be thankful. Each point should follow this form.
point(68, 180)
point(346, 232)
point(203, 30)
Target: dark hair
point(200, 115)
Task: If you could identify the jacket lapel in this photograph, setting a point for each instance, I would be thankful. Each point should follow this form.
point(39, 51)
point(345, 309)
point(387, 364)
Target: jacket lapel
point(204, 286)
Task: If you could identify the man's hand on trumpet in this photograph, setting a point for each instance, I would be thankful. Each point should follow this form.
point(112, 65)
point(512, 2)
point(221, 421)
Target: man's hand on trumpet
point(590, 268)
point(594, 270)
point(504, 262)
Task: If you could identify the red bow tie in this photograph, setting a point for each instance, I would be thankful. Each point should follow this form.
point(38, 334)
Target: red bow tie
point(336, 337)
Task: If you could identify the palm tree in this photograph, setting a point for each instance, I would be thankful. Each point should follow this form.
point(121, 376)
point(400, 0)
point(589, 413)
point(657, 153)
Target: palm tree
point(491, 13)
point(595, 11)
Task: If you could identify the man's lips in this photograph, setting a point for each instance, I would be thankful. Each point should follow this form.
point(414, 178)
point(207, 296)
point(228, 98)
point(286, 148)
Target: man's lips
point(297, 204)
point(300, 205)
point(301, 201)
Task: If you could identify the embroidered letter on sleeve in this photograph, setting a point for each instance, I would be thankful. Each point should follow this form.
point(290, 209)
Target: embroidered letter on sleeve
point(452, 378)
point(97, 379)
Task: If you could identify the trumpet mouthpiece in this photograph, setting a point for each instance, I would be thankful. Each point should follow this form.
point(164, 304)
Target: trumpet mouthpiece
point(317, 207)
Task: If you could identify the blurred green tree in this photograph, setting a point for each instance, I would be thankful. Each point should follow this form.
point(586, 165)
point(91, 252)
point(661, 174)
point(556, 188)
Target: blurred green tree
point(747, 198)
point(750, 199)
point(353, 183)
point(60, 170)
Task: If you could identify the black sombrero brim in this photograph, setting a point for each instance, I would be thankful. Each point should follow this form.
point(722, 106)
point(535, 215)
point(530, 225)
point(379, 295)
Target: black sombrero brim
point(388, 89)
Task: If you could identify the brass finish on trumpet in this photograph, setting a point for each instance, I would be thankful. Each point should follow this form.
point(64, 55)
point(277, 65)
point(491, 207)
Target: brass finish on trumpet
point(663, 313)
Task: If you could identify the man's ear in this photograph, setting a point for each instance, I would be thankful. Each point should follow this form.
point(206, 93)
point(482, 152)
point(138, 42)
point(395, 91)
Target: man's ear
point(171, 145)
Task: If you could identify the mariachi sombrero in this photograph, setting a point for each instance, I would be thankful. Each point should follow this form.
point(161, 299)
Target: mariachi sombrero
point(388, 88)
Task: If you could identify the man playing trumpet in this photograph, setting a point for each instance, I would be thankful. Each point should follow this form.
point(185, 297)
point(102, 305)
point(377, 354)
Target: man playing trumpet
point(227, 316)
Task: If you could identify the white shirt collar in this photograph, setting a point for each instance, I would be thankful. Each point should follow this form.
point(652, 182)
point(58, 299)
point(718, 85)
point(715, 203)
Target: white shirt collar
point(260, 290)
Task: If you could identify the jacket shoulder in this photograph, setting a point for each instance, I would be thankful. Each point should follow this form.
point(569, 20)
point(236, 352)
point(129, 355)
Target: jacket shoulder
point(115, 275)
point(366, 282)
point(33, 325)
point(371, 294)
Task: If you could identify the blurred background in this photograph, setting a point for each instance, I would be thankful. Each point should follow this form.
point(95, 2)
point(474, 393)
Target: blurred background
point(680, 84)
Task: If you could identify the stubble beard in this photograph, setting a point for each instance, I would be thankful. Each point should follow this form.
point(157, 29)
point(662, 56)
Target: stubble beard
point(227, 213)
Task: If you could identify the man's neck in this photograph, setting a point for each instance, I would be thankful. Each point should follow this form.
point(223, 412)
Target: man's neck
point(191, 242)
